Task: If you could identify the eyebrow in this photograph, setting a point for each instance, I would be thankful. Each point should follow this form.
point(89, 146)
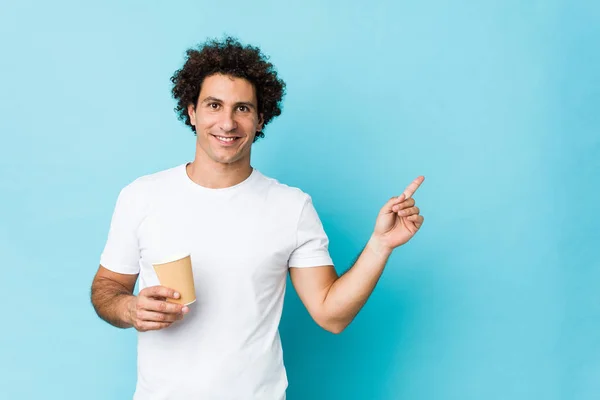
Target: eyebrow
point(239, 103)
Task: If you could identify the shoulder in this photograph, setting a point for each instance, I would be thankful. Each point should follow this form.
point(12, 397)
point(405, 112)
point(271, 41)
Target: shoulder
point(153, 181)
point(281, 192)
point(149, 186)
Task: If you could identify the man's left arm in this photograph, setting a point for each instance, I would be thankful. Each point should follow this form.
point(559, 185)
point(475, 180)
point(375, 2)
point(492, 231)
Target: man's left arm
point(333, 301)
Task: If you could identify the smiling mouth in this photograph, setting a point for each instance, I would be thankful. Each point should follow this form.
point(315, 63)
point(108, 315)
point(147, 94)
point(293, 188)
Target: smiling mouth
point(226, 140)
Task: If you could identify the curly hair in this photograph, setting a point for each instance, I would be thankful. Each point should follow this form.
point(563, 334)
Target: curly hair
point(228, 57)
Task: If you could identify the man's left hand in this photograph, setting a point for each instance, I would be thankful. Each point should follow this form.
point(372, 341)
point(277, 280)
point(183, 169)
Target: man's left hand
point(399, 219)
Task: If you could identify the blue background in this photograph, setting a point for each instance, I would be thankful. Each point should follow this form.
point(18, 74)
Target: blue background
point(496, 103)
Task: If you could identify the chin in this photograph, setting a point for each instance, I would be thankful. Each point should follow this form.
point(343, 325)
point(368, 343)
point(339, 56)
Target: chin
point(228, 160)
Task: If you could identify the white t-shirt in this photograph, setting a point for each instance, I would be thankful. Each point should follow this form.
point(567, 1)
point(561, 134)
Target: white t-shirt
point(242, 240)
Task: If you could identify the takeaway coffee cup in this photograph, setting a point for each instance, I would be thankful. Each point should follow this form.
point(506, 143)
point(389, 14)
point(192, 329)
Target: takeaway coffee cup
point(176, 273)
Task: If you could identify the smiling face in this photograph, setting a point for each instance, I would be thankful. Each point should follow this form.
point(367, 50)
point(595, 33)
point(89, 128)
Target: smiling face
point(226, 119)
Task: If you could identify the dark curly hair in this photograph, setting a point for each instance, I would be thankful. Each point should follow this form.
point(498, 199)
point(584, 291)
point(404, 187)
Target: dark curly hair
point(229, 57)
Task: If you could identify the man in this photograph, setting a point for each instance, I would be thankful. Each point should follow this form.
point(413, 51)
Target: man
point(244, 231)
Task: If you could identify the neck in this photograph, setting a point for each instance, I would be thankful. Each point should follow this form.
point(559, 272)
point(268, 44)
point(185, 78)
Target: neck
point(214, 175)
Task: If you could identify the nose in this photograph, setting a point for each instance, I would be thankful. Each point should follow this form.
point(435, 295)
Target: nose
point(227, 123)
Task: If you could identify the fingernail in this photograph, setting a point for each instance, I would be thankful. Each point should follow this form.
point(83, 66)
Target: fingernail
point(185, 310)
point(176, 295)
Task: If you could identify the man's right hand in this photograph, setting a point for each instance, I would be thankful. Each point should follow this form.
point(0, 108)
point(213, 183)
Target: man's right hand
point(149, 310)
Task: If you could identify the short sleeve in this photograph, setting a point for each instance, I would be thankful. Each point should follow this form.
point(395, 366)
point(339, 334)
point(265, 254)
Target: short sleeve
point(312, 243)
point(121, 252)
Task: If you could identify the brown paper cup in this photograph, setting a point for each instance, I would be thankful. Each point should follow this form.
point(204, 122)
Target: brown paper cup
point(177, 274)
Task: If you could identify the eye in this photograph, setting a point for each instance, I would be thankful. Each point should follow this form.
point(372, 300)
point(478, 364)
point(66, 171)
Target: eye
point(244, 108)
point(214, 106)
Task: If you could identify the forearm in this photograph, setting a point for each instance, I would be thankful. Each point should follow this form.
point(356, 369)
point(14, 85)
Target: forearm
point(349, 293)
point(110, 300)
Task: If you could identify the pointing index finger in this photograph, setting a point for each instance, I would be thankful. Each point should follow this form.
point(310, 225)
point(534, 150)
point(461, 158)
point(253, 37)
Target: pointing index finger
point(412, 188)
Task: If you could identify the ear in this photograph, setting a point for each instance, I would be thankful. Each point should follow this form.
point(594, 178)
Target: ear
point(191, 110)
point(261, 121)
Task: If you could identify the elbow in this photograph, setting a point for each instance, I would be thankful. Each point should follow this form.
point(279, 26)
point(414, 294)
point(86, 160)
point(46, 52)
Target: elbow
point(333, 326)
point(335, 329)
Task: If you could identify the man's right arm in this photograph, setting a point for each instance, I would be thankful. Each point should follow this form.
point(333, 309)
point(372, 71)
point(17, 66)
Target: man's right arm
point(113, 299)
point(110, 294)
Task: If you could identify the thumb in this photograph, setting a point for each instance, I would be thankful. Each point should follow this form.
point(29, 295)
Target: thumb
point(387, 208)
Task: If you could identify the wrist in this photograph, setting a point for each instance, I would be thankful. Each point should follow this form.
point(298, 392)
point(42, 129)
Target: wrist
point(125, 305)
point(377, 246)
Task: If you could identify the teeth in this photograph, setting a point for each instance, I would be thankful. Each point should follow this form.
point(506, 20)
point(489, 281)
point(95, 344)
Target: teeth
point(226, 139)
